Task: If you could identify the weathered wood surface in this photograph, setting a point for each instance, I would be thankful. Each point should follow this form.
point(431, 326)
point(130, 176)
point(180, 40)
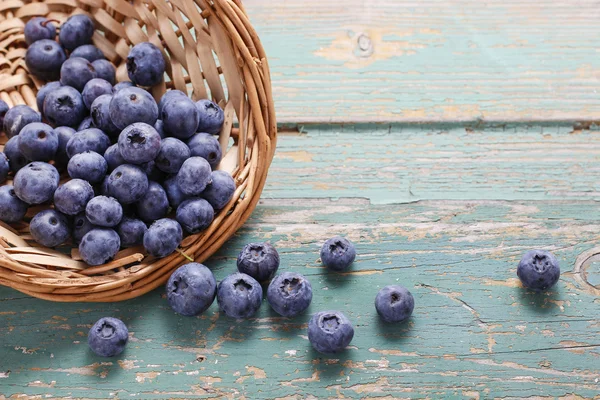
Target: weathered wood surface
point(431, 60)
point(474, 334)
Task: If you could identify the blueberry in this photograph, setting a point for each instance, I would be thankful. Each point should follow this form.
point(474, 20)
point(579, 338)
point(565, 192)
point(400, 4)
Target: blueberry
point(195, 215)
point(239, 296)
point(132, 105)
point(81, 226)
point(259, 260)
point(99, 111)
point(145, 64)
point(330, 332)
point(211, 117)
point(38, 28)
point(4, 167)
point(127, 183)
point(122, 85)
point(76, 31)
point(158, 125)
point(86, 123)
point(220, 189)
point(3, 110)
point(394, 303)
point(108, 337)
point(77, 72)
point(168, 96)
point(193, 176)
point(163, 237)
point(89, 52)
point(538, 270)
point(338, 253)
point(154, 205)
point(17, 117)
point(94, 89)
point(44, 59)
point(65, 134)
point(173, 152)
point(88, 165)
point(105, 70)
point(49, 228)
point(12, 209)
point(16, 160)
point(131, 231)
point(92, 139)
point(175, 196)
point(71, 197)
point(152, 171)
point(99, 246)
point(36, 182)
point(289, 294)
point(38, 142)
point(206, 146)
point(191, 289)
point(139, 143)
point(44, 90)
point(104, 211)
point(64, 107)
point(113, 157)
point(180, 117)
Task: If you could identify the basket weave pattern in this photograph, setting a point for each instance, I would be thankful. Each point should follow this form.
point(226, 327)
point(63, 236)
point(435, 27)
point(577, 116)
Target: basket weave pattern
point(212, 51)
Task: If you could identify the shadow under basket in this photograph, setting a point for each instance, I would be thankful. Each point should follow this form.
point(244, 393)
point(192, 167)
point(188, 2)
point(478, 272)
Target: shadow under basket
point(212, 51)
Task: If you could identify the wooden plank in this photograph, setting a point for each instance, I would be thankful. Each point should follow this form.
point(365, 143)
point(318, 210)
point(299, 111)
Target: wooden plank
point(474, 334)
point(431, 60)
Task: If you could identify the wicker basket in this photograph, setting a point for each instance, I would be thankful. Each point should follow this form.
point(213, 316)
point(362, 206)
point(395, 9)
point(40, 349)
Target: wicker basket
point(210, 46)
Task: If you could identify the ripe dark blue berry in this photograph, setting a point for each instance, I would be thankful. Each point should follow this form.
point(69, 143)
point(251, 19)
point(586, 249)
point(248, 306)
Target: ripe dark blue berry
point(17, 117)
point(87, 123)
point(36, 182)
point(108, 337)
point(12, 209)
point(195, 215)
point(538, 270)
point(173, 152)
point(191, 289)
point(220, 189)
point(163, 237)
point(16, 160)
point(44, 59)
point(99, 246)
point(89, 52)
point(38, 142)
point(330, 332)
point(174, 194)
point(130, 105)
point(81, 226)
point(239, 296)
point(259, 260)
point(211, 117)
point(289, 294)
point(65, 134)
point(72, 197)
point(44, 90)
point(4, 167)
point(127, 183)
point(38, 28)
point(50, 228)
point(88, 165)
point(95, 88)
point(99, 111)
point(338, 253)
point(139, 143)
point(193, 176)
point(104, 211)
point(122, 85)
point(76, 31)
point(131, 231)
point(394, 303)
point(154, 205)
point(206, 146)
point(92, 139)
point(77, 72)
point(105, 70)
point(145, 64)
point(64, 107)
point(3, 110)
point(168, 96)
point(113, 157)
point(180, 117)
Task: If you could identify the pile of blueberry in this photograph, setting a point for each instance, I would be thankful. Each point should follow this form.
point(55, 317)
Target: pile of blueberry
point(132, 162)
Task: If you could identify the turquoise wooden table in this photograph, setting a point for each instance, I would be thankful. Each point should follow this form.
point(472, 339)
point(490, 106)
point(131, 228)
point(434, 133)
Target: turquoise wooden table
point(445, 138)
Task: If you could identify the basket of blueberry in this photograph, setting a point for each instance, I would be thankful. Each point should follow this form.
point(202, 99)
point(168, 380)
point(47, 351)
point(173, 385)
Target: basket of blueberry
point(137, 137)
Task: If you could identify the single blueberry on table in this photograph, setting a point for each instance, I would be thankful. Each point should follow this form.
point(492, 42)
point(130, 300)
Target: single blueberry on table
point(36, 182)
point(538, 270)
point(173, 152)
point(17, 117)
point(211, 117)
point(195, 215)
point(220, 189)
point(206, 146)
point(77, 72)
point(154, 205)
point(289, 294)
point(87, 123)
point(76, 31)
point(65, 134)
point(163, 237)
point(108, 337)
point(145, 64)
point(113, 157)
point(127, 183)
point(92, 139)
point(180, 117)
point(88, 165)
point(81, 226)
point(105, 70)
point(175, 196)
point(239, 296)
point(38, 142)
point(3, 110)
point(4, 167)
point(104, 211)
point(259, 260)
point(131, 231)
point(191, 289)
point(89, 52)
point(394, 303)
point(64, 107)
point(193, 176)
point(16, 160)
point(71, 197)
point(95, 88)
point(338, 253)
point(38, 28)
point(50, 228)
point(168, 96)
point(100, 114)
point(330, 332)
point(130, 105)
point(99, 246)
point(44, 90)
point(139, 143)
point(122, 85)
point(44, 59)
point(12, 209)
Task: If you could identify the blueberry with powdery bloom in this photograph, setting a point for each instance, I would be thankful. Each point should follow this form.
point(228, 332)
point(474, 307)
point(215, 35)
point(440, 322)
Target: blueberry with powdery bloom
point(139, 143)
point(105, 70)
point(152, 171)
point(12, 209)
point(259, 260)
point(193, 176)
point(158, 125)
point(180, 117)
point(145, 64)
point(173, 152)
point(94, 89)
point(338, 253)
point(72, 197)
point(163, 237)
point(174, 194)
point(38, 142)
point(36, 182)
point(64, 107)
point(122, 85)
point(131, 231)
point(65, 134)
point(127, 183)
point(191, 289)
point(3, 110)
point(289, 294)
point(154, 205)
point(50, 228)
point(38, 28)
point(113, 157)
point(92, 139)
point(4, 167)
point(89, 52)
point(220, 190)
point(44, 90)
point(17, 117)
point(16, 160)
point(88, 165)
point(44, 59)
point(99, 111)
point(99, 246)
point(330, 332)
point(211, 117)
point(168, 96)
point(394, 303)
point(108, 337)
point(104, 211)
point(239, 296)
point(538, 270)
point(195, 215)
point(206, 146)
point(77, 72)
point(81, 226)
point(131, 105)
point(76, 31)
point(87, 123)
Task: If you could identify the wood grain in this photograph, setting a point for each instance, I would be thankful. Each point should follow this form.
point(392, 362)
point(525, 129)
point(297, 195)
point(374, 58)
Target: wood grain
point(431, 60)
